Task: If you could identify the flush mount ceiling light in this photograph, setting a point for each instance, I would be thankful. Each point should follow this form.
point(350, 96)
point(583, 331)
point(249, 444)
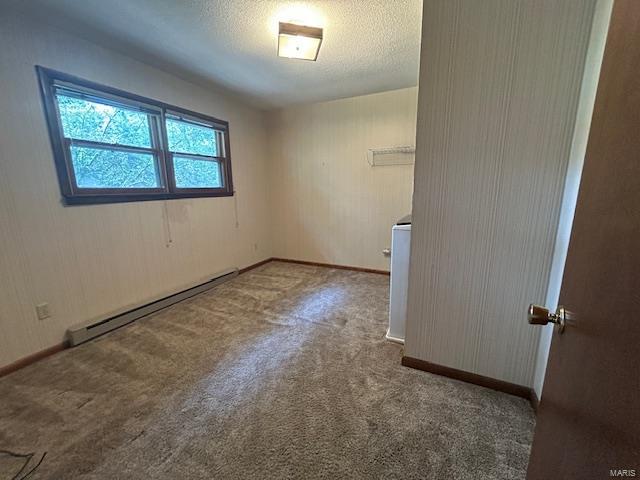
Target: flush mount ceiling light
point(299, 41)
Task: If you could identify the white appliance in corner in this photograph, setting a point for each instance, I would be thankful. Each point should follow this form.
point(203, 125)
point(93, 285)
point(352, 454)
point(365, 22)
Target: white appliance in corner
point(400, 247)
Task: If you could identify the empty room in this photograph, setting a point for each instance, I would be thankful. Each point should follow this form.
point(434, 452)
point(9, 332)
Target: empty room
point(272, 239)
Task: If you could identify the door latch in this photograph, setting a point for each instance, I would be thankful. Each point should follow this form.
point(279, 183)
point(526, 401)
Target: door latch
point(542, 316)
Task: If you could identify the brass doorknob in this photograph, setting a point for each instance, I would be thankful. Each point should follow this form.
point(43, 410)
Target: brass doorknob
point(542, 316)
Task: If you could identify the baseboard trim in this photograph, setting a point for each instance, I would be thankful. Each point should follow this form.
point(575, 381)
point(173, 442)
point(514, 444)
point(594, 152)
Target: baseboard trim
point(535, 401)
point(33, 358)
point(255, 265)
point(331, 265)
point(488, 382)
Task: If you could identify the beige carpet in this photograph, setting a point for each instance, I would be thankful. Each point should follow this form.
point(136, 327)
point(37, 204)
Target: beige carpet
point(281, 373)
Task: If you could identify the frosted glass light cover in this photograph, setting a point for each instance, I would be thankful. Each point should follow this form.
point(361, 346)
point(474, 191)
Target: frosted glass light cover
point(299, 41)
point(297, 46)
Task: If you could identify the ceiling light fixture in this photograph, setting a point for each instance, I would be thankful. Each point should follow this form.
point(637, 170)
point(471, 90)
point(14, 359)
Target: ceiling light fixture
point(299, 41)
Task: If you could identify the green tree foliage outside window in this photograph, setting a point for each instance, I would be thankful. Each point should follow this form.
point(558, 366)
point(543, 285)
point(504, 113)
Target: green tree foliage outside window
point(186, 137)
point(102, 167)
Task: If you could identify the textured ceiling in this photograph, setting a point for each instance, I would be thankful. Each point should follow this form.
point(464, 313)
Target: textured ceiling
point(369, 45)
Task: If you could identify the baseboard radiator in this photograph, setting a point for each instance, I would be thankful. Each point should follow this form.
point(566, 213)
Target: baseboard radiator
point(86, 331)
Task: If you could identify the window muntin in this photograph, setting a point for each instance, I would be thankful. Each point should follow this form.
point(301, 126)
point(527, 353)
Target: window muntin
point(113, 146)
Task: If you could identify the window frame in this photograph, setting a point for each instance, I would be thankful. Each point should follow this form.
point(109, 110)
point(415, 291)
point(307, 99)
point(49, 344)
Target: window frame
point(50, 80)
point(220, 145)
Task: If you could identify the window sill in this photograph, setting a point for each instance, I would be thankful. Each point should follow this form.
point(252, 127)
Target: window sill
point(136, 197)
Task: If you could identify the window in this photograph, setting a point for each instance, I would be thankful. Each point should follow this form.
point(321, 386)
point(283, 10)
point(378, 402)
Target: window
point(112, 146)
point(193, 147)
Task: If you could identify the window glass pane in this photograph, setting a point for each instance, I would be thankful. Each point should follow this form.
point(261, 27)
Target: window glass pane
point(86, 120)
point(196, 173)
point(100, 168)
point(187, 137)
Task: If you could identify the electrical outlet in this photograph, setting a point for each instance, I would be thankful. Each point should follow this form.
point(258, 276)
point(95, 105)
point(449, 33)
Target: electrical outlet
point(42, 310)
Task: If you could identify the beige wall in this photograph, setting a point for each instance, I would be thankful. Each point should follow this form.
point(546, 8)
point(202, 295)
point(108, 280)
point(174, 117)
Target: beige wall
point(88, 261)
point(329, 205)
point(499, 86)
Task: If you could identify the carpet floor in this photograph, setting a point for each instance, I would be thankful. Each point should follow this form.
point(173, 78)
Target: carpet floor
point(282, 372)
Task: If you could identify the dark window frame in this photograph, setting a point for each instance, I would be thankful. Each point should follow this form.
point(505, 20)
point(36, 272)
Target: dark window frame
point(50, 80)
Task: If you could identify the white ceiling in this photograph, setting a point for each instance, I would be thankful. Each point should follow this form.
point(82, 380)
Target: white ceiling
point(369, 45)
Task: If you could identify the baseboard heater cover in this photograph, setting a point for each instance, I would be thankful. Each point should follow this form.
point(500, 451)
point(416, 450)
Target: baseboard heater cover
point(86, 331)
